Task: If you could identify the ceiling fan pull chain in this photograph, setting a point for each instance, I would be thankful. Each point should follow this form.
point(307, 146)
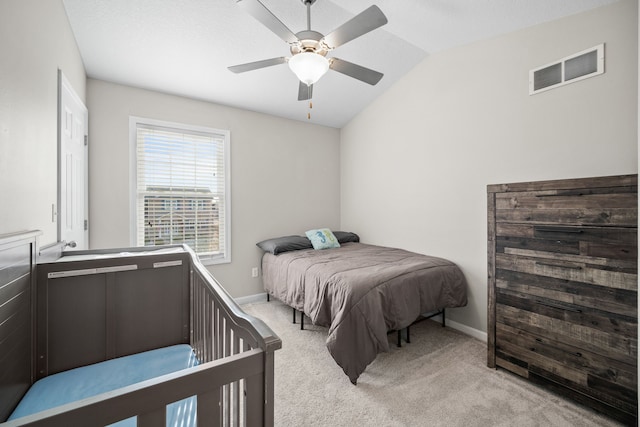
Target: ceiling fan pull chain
point(310, 102)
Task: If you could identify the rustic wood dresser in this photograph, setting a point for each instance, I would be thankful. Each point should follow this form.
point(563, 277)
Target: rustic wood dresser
point(562, 291)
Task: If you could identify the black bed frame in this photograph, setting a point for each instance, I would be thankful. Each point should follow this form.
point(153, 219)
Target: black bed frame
point(407, 329)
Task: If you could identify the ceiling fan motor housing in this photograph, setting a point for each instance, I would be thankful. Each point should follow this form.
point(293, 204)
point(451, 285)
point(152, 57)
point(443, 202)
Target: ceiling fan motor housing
point(309, 41)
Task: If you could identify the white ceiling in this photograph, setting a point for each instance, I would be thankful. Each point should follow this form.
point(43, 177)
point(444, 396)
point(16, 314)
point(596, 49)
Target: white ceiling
point(184, 47)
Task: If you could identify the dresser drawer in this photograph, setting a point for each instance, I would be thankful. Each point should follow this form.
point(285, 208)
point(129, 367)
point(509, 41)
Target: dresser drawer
point(591, 326)
point(606, 379)
point(611, 345)
point(615, 301)
point(599, 206)
point(593, 271)
point(617, 243)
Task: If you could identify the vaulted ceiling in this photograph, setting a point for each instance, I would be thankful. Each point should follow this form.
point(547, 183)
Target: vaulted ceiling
point(184, 47)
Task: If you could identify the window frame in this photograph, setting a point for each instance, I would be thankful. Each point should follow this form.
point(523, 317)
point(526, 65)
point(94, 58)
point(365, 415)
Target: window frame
point(134, 121)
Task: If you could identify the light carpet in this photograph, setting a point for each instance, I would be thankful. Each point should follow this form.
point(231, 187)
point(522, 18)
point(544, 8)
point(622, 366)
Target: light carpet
point(439, 379)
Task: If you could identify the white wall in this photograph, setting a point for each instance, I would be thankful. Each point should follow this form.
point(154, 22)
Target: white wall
point(415, 164)
point(35, 41)
point(285, 175)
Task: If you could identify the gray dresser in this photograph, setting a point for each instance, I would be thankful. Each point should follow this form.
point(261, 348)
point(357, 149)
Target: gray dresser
point(562, 290)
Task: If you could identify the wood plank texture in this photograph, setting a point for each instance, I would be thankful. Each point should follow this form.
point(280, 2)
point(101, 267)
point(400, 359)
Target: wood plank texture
point(491, 272)
point(17, 278)
point(563, 283)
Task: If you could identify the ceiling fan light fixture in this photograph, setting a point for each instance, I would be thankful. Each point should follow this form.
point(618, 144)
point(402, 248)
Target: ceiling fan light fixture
point(308, 66)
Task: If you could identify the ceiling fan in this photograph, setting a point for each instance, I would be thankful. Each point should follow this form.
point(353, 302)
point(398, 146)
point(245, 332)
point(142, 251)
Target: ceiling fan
point(309, 48)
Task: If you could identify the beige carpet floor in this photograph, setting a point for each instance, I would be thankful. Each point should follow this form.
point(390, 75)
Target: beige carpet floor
point(439, 379)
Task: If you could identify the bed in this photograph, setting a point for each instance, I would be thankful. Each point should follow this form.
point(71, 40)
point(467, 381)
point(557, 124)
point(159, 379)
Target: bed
point(359, 291)
point(195, 356)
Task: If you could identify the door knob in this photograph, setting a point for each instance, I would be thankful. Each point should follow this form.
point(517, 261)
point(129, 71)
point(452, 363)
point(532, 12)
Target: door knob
point(71, 244)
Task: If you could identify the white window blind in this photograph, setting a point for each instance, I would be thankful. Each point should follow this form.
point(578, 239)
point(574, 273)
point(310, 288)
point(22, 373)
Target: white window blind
point(181, 188)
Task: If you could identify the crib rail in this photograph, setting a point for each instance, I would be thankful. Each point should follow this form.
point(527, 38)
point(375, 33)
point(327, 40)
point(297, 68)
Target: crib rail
point(220, 329)
point(147, 400)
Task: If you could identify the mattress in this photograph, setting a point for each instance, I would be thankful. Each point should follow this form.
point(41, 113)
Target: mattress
point(362, 291)
point(87, 381)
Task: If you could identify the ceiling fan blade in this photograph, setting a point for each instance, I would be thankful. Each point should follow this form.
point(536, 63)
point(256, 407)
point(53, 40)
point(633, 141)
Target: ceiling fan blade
point(268, 19)
point(356, 71)
point(257, 65)
point(304, 92)
point(366, 21)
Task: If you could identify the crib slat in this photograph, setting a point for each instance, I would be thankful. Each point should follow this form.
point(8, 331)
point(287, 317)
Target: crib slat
point(227, 339)
point(203, 333)
point(210, 329)
point(242, 403)
point(227, 353)
point(236, 344)
point(235, 404)
point(268, 389)
point(236, 385)
point(194, 318)
point(197, 327)
point(217, 336)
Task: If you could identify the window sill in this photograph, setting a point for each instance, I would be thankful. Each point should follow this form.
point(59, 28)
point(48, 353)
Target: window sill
point(215, 261)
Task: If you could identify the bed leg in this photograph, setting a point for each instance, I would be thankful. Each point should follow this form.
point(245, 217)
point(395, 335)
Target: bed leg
point(268, 298)
point(408, 338)
point(301, 320)
point(443, 317)
point(399, 338)
point(294, 315)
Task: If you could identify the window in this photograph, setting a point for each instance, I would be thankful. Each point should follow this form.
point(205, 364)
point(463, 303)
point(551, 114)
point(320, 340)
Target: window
point(180, 187)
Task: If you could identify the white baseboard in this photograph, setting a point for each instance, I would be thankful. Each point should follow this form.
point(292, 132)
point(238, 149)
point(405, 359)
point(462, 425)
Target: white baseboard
point(250, 299)
point(475, 333)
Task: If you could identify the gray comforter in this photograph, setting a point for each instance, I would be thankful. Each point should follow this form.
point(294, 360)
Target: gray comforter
point(360, 292)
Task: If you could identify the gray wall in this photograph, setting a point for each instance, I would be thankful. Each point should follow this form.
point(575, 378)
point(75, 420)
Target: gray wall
point(35, 41)
point(415, 164)
point(285, 175)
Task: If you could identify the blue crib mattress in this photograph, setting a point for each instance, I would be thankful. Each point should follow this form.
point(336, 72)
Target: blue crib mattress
point(91, 380)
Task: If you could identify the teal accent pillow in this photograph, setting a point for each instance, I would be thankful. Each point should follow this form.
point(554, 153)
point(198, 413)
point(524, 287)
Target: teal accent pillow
point(322, 238)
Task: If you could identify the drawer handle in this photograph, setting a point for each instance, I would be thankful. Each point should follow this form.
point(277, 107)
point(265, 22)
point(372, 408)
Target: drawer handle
point(558, 230)
point(559, 195)
point(558, 306)
point(572, 267)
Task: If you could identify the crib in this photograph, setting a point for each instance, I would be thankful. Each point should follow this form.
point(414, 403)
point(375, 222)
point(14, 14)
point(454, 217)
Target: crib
point(64, 310)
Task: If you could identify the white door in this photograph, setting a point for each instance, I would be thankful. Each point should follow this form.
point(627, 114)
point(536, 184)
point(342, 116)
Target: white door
point(73, 168)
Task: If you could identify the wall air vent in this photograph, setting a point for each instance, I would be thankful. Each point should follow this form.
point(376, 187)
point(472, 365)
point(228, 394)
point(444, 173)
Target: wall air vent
point(573, 68)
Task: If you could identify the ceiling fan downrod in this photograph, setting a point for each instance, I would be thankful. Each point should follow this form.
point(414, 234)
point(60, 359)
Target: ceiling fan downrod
point(308, 3)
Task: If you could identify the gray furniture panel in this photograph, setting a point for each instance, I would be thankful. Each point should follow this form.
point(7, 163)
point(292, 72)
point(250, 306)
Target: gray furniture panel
point(563, 284)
